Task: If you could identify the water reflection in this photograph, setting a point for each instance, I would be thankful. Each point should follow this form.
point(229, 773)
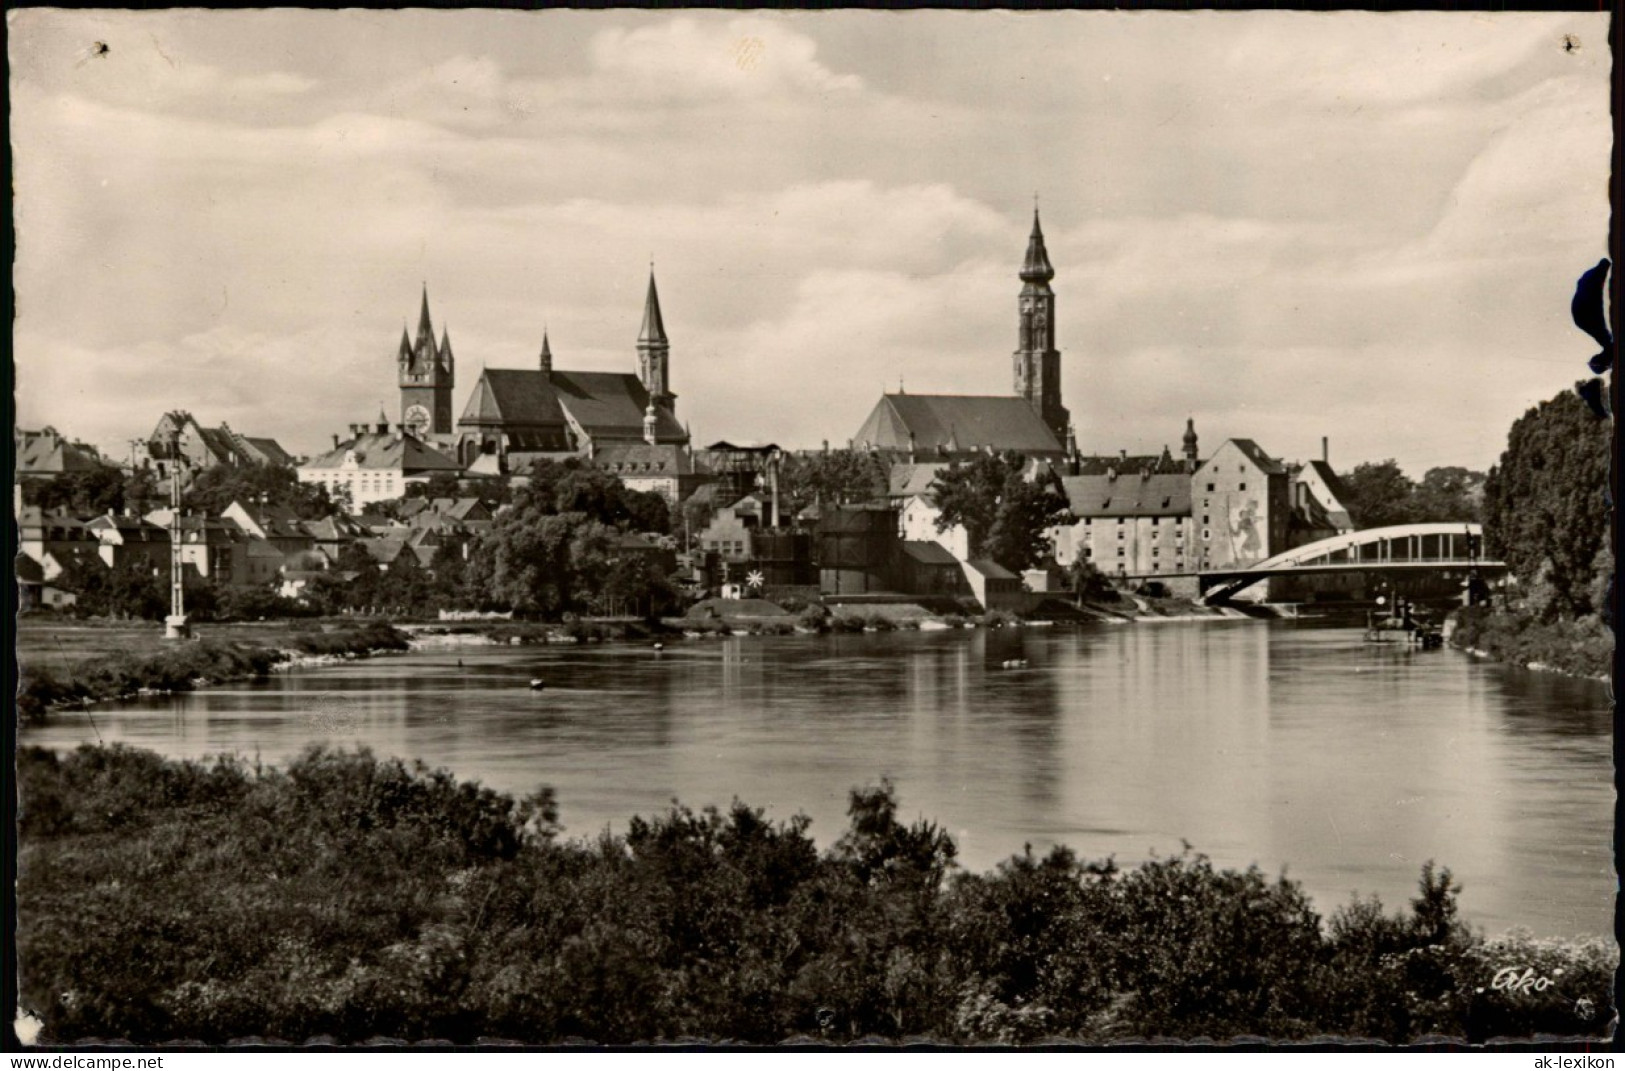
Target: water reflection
point(1283, 745)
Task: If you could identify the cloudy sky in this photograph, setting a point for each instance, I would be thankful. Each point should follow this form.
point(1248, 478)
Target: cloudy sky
point(1362, 226)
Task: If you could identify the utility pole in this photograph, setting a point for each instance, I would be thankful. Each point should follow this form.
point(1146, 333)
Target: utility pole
point(175, 626)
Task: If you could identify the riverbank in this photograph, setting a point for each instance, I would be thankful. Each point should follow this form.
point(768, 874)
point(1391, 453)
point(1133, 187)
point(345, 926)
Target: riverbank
point(350, 898)
point(1582, 648)
point(141, 663)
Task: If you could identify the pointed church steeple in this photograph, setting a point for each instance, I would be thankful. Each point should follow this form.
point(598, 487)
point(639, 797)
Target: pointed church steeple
point(654, 328)
point(1037, 362)
point(654, 351)
point(425, 328)
point(547, 353)
point(1037, 267)
point(427, 376)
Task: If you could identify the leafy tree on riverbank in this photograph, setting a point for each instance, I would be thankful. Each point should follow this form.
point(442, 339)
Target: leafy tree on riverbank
point(1380, 494)
point(1545, 510)
point(1006, 516)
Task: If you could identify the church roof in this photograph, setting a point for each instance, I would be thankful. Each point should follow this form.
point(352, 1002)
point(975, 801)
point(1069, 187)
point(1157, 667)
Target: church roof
point(654, 328)
point(609, 402)
point(513, 396)
point(603, 404)
point(956, 423)
point(1129, 494)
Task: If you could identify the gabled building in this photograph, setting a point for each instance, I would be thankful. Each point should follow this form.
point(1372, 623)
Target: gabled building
point(1031, 420)
point(1241, 502)
point(924, 427)
point(550, 411)
point(127, 540)
point(1318, 503)
point(1133, 523)
point(670, 470)
point(375, 464)
point(201, 448)
point(45, 454)
point(41, 534)
point(276, 525)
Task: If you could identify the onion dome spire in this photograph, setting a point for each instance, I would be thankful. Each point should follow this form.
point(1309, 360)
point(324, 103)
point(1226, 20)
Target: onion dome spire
point(1036, 268)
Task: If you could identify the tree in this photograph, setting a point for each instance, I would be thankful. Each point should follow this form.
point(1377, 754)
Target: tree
point(832, 477)
point(1088, 583)
point(440, 485)
point(98, 490)
point(215, 488)
point(1379, 494)
point(1545, 510)
point(1006, 517)
point(1451, 493)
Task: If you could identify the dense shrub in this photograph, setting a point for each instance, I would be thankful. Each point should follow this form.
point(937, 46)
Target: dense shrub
point(177, 668)
point(352, 897)
point(357, 639)
point(1584, 647)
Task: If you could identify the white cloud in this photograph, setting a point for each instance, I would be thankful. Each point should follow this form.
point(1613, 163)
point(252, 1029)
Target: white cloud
point(1246, 221)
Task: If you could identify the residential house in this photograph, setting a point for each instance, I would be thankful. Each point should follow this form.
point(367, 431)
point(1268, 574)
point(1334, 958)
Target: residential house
point(376, 464)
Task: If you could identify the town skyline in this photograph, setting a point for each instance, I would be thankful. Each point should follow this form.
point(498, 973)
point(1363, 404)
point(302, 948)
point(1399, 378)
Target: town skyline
point(1287, 226)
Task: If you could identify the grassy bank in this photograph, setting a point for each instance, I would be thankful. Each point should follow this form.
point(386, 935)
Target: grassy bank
point(174, 666)
point(1583, 648)
point(350, 898)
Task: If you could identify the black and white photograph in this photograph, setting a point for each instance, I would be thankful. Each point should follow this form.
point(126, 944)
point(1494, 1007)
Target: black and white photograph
point(840, 529)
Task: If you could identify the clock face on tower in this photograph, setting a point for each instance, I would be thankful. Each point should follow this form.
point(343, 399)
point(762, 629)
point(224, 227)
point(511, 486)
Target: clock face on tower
point(417, 418)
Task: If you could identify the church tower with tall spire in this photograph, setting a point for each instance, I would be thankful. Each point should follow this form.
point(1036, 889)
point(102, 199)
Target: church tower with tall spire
point(427, 375)
point(654, 352)
point(1037, 361)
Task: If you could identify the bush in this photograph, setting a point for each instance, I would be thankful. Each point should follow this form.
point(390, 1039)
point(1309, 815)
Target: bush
point(1583, 647)
point(354, 897)
point(357, 640)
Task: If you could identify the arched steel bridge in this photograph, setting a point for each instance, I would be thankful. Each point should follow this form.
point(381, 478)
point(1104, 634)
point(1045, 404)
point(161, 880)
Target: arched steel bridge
point(1398, 548)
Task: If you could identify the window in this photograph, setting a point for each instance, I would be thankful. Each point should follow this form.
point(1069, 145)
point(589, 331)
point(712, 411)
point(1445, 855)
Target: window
point(1120, 552)
point(1155, 521)
point(1156, 552)
point(1120, 533)
point(1120, 520)
point(1205, 520)
point(1241, 487)
point(1210, 488)
point(1206, 535)
point(1088, 552)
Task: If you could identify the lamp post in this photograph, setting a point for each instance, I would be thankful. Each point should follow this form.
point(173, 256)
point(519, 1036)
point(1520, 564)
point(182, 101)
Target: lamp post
point(175, 626)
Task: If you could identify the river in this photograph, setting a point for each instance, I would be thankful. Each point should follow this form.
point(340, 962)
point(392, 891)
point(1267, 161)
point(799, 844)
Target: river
point(1276, 743)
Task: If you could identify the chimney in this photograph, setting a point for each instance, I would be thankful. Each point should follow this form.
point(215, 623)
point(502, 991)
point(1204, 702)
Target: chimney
point(1325, 450)
point(335, 440)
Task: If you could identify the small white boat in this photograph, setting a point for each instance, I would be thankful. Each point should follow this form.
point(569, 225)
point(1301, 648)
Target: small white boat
point(537, 684)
